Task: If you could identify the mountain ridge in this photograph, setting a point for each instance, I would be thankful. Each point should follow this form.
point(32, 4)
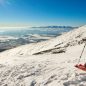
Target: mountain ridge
point(64, 40)
point(54, 27)
point(20, 67)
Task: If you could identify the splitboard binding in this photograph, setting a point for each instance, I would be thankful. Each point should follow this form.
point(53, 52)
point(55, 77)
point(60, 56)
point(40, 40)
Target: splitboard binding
point(81, 66)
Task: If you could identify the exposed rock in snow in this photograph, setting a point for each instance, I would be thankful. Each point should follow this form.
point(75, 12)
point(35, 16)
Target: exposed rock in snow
point(52, 66)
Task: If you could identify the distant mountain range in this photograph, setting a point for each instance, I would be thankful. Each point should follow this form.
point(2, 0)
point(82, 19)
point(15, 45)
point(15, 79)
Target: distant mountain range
point(54, 27)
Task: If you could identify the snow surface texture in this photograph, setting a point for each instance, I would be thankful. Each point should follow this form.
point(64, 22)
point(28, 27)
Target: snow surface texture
point(48, 63)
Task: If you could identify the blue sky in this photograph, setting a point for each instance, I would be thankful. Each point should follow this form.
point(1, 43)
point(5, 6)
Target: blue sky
point(43, 12)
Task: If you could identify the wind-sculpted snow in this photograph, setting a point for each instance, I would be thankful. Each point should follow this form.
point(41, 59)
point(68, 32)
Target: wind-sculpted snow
point(42, 70)
point(19, 67)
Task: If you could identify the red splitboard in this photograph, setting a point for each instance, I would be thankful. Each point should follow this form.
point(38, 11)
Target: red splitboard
point(80, 66)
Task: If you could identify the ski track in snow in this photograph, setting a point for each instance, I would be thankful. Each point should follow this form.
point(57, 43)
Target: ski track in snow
point(19, 67)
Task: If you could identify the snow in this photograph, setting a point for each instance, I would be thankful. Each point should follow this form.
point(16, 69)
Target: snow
point(21, 67)
point(37, 36)
point(6, 38)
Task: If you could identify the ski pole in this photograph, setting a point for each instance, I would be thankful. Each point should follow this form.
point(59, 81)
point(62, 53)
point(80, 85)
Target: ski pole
point(81, 53)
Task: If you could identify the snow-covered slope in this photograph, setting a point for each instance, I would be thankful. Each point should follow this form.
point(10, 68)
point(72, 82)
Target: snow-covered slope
point(73, 37)
point(42, 64)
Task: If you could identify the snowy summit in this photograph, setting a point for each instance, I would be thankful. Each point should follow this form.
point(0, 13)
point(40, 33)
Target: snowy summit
point(47, 63)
